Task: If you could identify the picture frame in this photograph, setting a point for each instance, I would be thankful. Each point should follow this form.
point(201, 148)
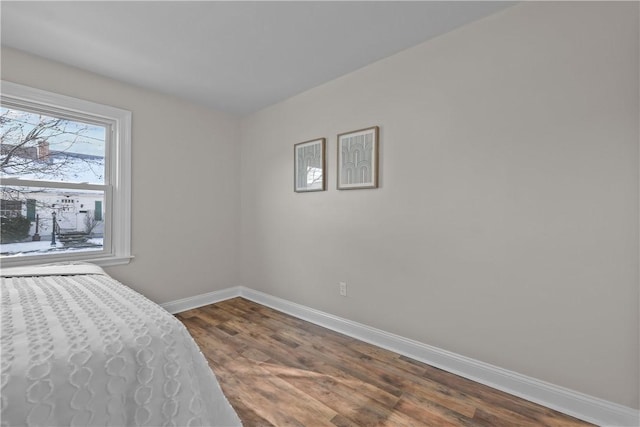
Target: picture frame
point(309, 172)
point(358, 159)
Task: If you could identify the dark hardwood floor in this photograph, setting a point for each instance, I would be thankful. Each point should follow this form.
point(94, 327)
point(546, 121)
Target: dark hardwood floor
point(277, 370)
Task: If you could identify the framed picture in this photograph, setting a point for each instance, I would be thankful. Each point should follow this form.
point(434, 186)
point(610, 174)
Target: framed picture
point(358, 159)
point(309, 166)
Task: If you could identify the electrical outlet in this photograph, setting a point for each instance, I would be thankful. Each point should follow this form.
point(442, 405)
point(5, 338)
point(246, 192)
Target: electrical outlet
point(343, 289)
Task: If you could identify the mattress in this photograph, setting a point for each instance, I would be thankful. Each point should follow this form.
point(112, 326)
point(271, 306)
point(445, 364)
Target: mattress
point(79, 348)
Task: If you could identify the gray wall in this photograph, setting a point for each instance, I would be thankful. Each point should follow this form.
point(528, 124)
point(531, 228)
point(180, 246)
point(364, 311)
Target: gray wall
point(506, 225)
point(185, 207)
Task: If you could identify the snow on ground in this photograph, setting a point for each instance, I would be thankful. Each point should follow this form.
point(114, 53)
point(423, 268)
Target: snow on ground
point(43, 247)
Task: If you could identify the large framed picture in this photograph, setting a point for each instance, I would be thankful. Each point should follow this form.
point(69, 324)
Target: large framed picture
point(309, 166)
point(358, 159)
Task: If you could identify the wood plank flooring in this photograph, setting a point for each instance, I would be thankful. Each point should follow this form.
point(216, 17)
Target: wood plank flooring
point(277, 370)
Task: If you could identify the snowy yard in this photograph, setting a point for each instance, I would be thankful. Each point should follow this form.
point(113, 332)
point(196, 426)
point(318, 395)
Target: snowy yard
point(44, 246)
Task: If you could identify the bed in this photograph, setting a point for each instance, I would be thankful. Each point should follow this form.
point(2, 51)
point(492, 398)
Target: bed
point(79, 348)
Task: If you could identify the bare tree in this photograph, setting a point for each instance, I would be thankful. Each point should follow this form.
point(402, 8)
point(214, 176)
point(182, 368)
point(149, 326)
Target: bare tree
point(90, 222)
point(35, 146)
point(42, 150)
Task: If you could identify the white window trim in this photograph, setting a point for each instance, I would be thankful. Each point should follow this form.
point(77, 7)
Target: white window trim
point(119, 172)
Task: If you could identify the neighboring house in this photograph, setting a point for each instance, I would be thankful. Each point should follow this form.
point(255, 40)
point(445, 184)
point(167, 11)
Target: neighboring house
point(75, 210)
point(38, 152)
point(42, 152)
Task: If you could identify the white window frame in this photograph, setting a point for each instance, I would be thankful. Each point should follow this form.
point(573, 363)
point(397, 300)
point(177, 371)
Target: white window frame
point(117, 188)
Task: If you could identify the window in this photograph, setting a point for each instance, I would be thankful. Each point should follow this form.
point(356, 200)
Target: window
point(65, 179)
point(10, 208)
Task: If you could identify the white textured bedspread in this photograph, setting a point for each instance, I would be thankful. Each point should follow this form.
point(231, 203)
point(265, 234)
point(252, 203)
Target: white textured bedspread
point(78, 349)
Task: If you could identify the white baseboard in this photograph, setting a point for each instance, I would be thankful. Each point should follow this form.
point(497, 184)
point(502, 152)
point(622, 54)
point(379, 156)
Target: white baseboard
point(188, 303)
point(570, 402)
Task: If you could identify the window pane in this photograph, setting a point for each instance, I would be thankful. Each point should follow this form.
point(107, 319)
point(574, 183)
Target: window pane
point(78, 227)
point(36, 146)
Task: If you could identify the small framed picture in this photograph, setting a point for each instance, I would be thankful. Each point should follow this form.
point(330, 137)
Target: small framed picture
point(358, 159)
point(309, 166)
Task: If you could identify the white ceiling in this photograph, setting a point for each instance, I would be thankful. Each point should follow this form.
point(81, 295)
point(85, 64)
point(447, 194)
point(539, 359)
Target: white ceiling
point(236, 57)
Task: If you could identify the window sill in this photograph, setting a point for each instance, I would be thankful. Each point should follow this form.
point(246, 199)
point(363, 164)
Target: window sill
point(111, 261)
point(108, 261)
